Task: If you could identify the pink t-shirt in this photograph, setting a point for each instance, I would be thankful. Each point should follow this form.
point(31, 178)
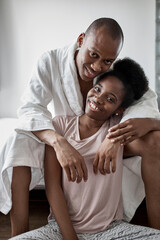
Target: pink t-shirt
point(94, 204)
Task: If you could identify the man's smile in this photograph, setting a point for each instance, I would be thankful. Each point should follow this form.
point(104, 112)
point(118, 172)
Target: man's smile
point(89, 73)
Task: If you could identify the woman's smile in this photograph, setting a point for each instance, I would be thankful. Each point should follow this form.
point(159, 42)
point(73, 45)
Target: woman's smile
point(93, 106)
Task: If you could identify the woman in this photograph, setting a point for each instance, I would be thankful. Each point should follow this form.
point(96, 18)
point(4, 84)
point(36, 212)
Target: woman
point(93, 209)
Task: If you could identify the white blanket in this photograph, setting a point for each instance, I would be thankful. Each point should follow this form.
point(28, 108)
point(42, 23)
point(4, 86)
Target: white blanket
point(55, 80)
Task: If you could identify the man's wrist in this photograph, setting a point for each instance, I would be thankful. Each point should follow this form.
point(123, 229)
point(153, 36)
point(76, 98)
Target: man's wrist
point(48, 136)
point(156, 124)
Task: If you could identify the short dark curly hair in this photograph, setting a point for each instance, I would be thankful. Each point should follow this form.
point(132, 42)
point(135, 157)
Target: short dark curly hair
point(131, 74)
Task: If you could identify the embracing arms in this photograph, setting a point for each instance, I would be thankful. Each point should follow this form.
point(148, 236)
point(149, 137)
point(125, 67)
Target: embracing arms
point(71, 160)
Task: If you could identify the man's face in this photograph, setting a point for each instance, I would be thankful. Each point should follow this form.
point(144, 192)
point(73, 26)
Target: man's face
point(96, 54)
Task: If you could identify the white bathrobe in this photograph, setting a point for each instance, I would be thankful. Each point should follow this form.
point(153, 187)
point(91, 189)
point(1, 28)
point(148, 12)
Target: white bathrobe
point(55, 81)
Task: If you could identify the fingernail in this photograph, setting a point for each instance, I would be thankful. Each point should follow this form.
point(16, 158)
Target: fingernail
point(112, 140)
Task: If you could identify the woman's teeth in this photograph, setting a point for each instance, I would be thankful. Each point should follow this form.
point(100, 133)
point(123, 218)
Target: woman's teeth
point(93, 106)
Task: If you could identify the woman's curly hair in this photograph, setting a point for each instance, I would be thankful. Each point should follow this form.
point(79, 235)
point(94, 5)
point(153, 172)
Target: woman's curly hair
point(131, 74)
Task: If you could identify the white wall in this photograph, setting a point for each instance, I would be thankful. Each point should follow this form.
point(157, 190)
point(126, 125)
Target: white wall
point(30, 27)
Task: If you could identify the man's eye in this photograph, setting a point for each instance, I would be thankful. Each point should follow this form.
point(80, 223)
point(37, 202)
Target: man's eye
point(108, 62)
point(92, 54)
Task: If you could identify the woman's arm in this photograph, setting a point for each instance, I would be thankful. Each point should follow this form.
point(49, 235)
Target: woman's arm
point(55, 195)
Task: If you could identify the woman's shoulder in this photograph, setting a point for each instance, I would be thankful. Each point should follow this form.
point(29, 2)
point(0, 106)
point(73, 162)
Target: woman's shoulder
point(63, 122)
point(114, 120)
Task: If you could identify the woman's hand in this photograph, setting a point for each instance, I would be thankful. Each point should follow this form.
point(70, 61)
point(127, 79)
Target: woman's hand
point(106, 156)
point(71, 160)
point(130, 130)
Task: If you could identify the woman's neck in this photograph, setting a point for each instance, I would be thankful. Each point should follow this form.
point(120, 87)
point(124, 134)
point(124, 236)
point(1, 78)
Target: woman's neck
point(88, 126)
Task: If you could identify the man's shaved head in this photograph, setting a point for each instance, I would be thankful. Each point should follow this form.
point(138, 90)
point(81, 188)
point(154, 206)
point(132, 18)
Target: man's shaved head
point(110, 25)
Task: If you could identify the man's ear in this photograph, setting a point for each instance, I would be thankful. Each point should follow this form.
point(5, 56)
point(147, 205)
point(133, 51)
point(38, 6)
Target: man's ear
point(80, 39)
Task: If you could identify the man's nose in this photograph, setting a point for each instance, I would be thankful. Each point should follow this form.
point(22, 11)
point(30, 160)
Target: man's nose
point(96, 66)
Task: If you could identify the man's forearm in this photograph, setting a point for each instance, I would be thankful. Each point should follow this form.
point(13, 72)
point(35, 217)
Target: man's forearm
point(47, 136)
point(155, 124)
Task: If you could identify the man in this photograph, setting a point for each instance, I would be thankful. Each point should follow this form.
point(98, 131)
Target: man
point(64, 77)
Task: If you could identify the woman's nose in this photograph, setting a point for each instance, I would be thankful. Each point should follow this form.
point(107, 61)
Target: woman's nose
point(99, 99)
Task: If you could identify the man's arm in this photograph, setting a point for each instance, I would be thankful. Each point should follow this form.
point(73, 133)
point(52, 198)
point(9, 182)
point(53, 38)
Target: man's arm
point(138, 120)
point(68, 157)
point(106, 157)
point(34, 114)
point(132, 129)
point(52, 172)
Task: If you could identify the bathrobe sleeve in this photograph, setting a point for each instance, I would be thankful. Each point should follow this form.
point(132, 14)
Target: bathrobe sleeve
point(34, 115)
point(54, 80)
point(145, 107)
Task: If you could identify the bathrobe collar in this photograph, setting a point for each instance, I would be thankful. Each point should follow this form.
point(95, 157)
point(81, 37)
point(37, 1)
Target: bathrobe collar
point(70, 81)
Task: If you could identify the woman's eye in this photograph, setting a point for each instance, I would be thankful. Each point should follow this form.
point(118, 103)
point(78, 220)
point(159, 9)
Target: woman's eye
point(97, 89)
point(92, 54)
point(109, 99)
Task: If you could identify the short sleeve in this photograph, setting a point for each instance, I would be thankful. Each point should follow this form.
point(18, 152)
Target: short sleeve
point(59, 124)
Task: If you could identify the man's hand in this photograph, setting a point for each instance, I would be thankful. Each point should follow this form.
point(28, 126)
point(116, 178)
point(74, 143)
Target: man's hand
point(106, 156)
point(130, 130)
point(71, 160)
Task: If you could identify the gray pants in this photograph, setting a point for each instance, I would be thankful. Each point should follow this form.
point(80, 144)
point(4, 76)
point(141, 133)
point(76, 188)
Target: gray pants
point(117, 230)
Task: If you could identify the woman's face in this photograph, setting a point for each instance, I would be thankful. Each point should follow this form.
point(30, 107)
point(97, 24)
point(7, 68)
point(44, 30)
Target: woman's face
point(105, 98)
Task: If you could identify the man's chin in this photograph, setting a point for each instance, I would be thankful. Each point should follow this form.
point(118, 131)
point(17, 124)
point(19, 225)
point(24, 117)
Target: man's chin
point(87, 79)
